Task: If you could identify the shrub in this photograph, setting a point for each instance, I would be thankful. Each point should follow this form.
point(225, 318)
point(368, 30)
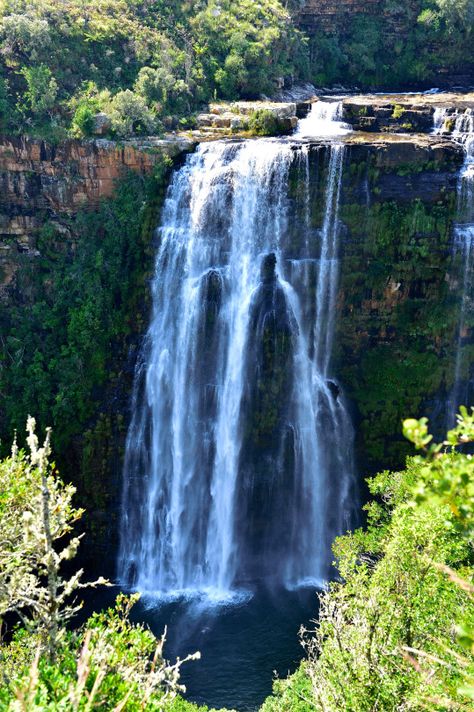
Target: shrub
point(42, 89)
point(129, 114)
point(24, 34)
point(5, 107)
point(263, 122)
point(398, 633)
point(83, 120)
point(398, 111)
point(109, 663)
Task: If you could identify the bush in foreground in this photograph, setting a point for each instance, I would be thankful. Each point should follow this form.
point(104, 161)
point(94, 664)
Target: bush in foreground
point(398, 632)
point(109, 663)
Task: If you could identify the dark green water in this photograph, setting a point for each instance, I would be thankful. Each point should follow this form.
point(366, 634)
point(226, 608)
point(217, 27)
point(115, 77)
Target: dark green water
point(242, 643)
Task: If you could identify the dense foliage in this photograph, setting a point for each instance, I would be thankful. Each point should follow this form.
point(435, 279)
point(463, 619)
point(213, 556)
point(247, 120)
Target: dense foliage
point(78, 306)
point(146, 64)
point(400, 44)
point(108, 663)
point(398, 632)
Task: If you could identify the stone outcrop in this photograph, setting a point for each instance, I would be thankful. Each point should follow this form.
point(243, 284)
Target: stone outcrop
point(400, 113)
point(228, 119)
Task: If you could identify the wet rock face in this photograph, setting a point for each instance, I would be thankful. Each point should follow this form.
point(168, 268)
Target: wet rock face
point(388, 117)
point(269, 373)
point(398, 303)
point(403, 113)
point(266, 475)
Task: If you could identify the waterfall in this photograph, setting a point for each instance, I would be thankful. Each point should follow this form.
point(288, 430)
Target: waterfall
point(464, 132)
point(239, 464)
point(464, 246)
point(439, 118)
point(324, 119)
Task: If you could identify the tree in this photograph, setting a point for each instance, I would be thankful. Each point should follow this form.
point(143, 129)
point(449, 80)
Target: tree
point(130, 115)
point(42, 89)
point(36, 514)
point(458, 14)
point(24, 36)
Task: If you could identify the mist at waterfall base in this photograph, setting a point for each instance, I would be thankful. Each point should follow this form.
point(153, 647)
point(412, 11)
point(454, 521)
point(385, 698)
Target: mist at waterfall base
point(239, 468)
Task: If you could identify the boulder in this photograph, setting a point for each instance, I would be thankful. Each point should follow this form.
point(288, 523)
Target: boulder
point(102, 124)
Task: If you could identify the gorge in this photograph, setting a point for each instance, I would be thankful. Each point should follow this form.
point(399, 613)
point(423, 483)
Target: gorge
point(309, 292)
point(237, 319)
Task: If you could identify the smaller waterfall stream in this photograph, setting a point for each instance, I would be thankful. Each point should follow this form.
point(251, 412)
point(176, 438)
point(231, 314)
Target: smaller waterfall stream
point(463, 131)
point(439, 118)
point(324, 119)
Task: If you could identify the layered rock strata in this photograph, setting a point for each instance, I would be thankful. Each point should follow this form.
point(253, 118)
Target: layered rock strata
point(401, 113)
point(40, 182)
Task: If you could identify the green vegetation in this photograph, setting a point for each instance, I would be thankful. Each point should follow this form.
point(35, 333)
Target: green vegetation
point(398, 632)
point(398, 111)
point(108, 663)
point(68, 344)
point(148, 66)
point(263, 122)
point(397, 328)
point(400, 44)
point(83, 302)
point(145, 64)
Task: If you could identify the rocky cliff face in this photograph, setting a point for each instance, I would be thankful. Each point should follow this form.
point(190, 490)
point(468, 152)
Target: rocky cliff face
point(316, 14)
point(76, 225)
point(41, 182)
point(399, 298)
point(398, 302)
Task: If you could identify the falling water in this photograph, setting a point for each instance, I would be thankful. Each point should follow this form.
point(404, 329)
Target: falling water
point(439, 118)
point(324, 119)
point(238, 462)
point(464, 246)
point(464, 132)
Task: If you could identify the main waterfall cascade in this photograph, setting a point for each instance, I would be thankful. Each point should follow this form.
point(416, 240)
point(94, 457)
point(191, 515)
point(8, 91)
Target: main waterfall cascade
point(239, 460)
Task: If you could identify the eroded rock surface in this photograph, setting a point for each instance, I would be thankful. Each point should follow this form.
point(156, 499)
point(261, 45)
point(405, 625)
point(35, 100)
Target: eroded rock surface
point(402, 113)
point(40, 182)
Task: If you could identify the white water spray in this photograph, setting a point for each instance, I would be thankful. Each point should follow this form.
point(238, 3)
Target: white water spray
point(463, 132)
point(439, 118)
point(324, 119)
point(239, 454)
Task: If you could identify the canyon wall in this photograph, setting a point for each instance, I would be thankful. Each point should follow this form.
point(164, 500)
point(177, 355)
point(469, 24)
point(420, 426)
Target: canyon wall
point(316, 14)
point(398, 303)
point(41, 182)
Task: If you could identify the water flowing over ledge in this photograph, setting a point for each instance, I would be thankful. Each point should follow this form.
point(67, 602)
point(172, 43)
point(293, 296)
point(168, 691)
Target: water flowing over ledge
point(239, 465)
